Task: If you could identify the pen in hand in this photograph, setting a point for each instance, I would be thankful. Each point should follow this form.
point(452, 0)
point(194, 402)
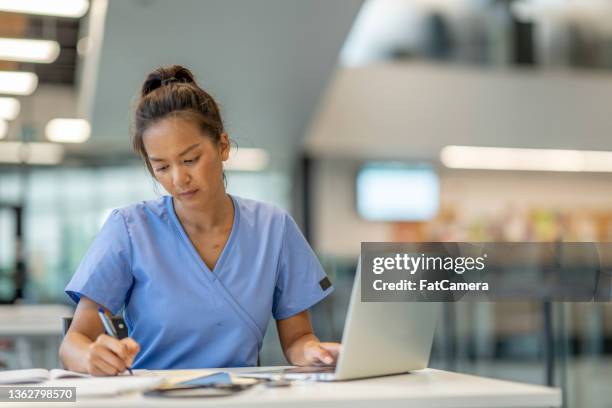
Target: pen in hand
point(110, 329)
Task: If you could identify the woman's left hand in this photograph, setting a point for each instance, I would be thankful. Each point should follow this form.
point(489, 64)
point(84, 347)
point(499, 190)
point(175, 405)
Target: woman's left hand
point(317, 353)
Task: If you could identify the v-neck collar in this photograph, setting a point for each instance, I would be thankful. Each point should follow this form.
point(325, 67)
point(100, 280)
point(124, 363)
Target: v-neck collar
point(214, 274)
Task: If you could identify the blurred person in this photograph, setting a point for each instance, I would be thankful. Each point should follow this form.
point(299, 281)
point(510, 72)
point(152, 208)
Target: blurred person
point(197, 272)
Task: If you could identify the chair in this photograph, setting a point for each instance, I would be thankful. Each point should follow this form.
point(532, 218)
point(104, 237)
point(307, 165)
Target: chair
point(118, 323)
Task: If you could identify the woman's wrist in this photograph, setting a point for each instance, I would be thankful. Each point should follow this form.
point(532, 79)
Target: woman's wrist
point(74, 352)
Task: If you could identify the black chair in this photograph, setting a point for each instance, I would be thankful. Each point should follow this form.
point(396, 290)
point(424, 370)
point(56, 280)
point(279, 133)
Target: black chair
point(118, 322)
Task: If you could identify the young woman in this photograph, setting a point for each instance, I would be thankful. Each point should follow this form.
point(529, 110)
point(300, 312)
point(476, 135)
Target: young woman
point(199, 272)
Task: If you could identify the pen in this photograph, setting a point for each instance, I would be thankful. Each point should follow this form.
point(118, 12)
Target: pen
point(110, 329)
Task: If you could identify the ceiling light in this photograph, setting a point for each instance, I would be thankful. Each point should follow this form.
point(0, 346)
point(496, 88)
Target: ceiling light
point(17, 83)
point(247, 159)
point(31, 153)
point(3, 129)
point(60, 8)
point(68, 130)
point(504, 158)
point(9, 108)
point(16, 49)
point(84, 45)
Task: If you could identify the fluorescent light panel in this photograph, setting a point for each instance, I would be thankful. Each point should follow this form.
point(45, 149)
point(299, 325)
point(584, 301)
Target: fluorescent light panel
point(3, 129)
point(9, 108)
point(247, 159)
point(505, 158)
point(65, 130)
point(31, 153)
point(59, 8)
point(22, 50)
point(17, 83)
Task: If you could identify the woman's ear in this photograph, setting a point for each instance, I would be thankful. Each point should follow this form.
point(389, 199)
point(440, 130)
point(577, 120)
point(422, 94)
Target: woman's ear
point(224, 146)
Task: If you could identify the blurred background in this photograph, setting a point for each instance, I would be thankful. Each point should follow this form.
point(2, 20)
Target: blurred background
point(376, 120)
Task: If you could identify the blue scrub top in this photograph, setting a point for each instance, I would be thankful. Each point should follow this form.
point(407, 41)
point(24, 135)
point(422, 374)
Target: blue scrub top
point(181, 313)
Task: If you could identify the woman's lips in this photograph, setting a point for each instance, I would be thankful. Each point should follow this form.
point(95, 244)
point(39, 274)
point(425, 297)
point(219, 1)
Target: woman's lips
point(188, 194)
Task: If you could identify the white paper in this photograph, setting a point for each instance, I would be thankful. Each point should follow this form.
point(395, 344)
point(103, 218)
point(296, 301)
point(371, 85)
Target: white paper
point(107, 386)
point(61, 373)
point(28, 376)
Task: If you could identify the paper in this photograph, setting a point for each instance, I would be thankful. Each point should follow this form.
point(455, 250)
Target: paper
point(61, 373)
point(36, 375)
point(107, 386)
point(30, 376)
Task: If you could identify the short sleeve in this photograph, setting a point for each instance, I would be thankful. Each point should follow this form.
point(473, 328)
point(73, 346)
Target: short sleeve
point(104, 275)
point(301, 281)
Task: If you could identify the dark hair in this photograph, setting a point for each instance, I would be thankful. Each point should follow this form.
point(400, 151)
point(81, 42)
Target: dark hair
point(173, 92)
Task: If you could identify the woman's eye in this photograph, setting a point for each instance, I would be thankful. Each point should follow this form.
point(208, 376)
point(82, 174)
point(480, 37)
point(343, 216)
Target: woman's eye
point(192, 160)
point(161, 168)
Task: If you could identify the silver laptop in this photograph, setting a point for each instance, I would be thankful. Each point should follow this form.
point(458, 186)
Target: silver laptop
point(379, 338)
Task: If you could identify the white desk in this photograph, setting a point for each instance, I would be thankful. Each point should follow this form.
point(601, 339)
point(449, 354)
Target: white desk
point(427, 388)
point(32, 320)
point(22, 323)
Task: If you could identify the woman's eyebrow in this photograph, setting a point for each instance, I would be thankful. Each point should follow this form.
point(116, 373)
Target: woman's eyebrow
point(187, 150)
point(184, 152)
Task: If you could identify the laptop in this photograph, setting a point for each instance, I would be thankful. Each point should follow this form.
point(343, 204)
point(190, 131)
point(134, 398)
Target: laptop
point(379, 338)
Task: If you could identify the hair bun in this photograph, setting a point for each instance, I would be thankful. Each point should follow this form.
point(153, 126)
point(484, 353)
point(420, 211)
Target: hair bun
point(165, 75)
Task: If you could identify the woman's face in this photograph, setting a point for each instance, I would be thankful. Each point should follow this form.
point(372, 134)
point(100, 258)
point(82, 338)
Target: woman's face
point(185, 161)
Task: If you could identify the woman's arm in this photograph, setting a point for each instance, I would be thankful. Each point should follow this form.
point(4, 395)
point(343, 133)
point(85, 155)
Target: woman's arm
point(301, 346)
point(87, 349)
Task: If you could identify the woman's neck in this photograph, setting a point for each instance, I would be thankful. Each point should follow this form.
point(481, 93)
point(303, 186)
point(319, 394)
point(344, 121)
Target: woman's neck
point(214, 213)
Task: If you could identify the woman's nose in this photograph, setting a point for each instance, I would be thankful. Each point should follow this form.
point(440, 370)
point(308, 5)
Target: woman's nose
point(181, 177)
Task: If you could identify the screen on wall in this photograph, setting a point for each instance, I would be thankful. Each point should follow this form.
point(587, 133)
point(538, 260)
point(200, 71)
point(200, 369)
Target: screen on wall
point(397, 192)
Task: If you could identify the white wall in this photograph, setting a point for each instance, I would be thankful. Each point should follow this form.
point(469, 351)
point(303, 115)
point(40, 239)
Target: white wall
point(338, 230)
point(412, 110)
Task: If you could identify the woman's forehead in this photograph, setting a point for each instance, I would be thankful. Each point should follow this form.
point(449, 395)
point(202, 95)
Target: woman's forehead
point(173, 126)
point(173, 134)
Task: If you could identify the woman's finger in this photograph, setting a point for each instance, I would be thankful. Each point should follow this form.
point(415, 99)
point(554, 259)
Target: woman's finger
point(102, 367)
point(116, 346)
point(132, 345)
point(332, 348)
point(110, 358)
point(132, 348)
point(324, 356)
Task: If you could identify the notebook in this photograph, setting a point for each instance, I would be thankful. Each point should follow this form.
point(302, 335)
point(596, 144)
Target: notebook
point(108, 386)
point(37, 375)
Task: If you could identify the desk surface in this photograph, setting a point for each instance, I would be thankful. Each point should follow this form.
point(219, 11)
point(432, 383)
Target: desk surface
point(426, 388)
point(32, 320)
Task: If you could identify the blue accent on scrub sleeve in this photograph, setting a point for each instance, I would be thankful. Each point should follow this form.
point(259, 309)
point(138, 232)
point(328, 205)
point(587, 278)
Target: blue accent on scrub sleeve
point(104, 274)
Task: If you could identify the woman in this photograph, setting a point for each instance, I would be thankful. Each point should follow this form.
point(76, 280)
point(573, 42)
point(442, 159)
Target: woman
point(198, 272)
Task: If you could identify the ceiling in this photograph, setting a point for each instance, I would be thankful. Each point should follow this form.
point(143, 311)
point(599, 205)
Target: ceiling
point(63, 30)
point(267, 62)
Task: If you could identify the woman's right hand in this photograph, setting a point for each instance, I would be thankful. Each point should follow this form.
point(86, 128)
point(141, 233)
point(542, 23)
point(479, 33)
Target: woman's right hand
point(110, 356)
